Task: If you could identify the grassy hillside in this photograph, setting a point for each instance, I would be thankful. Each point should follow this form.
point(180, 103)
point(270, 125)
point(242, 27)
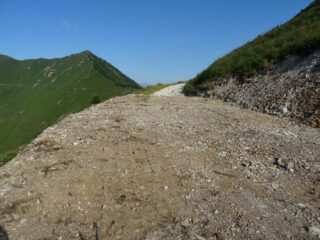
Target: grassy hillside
point(299, 35)
point(34, 94)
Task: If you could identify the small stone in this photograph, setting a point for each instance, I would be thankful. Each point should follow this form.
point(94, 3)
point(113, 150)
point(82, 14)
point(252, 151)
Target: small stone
point(290, 166)
point(314, 231)
point(165, 188)
point(275, 186)
point(15, 216)
point(186, 223)
point(301, 205)
point(219, 236)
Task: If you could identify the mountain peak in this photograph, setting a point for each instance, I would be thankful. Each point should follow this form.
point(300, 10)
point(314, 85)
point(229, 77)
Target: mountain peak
point(86, 53)
point(25, 85)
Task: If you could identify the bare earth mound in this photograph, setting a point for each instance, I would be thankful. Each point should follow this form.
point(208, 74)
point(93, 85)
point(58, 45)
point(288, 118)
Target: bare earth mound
point(165, 168)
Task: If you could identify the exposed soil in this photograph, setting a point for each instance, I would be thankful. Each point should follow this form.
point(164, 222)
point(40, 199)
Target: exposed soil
point(290, 88)
point(149, 168)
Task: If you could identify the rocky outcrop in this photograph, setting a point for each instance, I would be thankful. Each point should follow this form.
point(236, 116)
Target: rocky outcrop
point(289, 89)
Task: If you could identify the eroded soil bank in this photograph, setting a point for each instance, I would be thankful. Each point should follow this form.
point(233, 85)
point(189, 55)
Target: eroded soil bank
point(290, 89)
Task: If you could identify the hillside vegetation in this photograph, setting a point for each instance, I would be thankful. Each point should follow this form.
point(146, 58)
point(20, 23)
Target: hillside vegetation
point(299, 35)
point(34, 94)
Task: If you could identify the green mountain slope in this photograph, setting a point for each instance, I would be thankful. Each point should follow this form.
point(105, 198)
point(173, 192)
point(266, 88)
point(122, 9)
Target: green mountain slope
point(299, 35)
point(34, 94)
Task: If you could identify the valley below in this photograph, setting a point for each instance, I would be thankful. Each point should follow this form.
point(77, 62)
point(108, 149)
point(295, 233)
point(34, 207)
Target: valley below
point(164, 167)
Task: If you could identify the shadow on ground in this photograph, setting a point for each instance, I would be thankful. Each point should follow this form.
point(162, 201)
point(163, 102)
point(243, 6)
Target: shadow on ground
point(3, 234)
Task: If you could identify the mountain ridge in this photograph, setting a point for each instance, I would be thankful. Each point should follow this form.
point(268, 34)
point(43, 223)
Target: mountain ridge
point(86, 53)
point(34, 93)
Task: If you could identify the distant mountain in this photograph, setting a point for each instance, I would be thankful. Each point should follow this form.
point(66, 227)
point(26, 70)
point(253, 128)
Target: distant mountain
point(277, 73)
point(35, 93)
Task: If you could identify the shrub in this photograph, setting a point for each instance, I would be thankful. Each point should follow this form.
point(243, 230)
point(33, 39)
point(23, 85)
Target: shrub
point(95, 100)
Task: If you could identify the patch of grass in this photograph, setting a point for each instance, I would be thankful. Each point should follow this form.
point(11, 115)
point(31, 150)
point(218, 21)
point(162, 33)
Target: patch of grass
point(299, 35)
point(95, 100)
point(7, 156)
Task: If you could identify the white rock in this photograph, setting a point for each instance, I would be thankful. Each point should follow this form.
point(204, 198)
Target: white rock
point(186, 223)
point(314, 231)
point(301, 205)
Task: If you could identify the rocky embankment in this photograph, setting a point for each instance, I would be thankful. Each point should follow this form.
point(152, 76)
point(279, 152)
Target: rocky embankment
point(150, 168)
point(290, 89)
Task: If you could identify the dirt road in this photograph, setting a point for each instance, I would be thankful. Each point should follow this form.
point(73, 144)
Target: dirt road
point(173, 90)
point(139, 167)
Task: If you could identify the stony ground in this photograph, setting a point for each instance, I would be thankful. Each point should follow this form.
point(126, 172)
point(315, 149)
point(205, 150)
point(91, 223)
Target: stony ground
point(290, 88)
point(175, 168)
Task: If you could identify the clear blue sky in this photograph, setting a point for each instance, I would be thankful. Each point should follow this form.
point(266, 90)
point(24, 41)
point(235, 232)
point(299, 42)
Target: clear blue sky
point(149, 40)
